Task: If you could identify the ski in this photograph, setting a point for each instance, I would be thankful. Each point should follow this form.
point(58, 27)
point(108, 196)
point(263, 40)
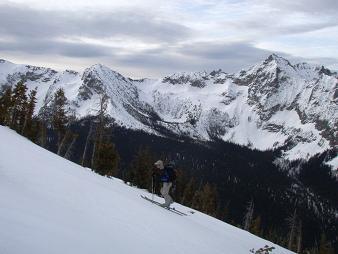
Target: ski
point(167, 208)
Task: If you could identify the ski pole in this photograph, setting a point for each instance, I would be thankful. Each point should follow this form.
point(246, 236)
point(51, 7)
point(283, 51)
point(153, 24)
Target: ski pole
point(152, 188)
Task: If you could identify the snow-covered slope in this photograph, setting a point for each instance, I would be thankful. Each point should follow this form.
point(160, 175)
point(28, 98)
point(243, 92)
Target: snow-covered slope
point(51, 205)
point(273, 104)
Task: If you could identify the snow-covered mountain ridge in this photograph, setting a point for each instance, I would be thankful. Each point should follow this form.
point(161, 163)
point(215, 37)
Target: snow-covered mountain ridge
point(51, 205)
point(272, 104)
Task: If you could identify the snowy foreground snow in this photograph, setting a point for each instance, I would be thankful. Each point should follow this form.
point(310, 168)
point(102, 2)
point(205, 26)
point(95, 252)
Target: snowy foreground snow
point(51, 205)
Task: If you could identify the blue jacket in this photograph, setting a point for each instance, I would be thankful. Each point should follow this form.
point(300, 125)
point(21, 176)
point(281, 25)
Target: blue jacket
point(167, 174)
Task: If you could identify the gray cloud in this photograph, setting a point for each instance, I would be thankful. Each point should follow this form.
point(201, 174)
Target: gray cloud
point(272, 25)
point(308, 6)
point(286, 17)
point(52, 47)
point(207, 56)
point(223, 51)
point(42, 34)
point(230, 57)
point(23, 22)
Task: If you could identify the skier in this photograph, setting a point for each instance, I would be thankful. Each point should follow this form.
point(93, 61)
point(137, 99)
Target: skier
point(167, 176)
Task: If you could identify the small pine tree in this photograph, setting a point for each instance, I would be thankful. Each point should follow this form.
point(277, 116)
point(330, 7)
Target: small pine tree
point(325, 247)
point(66, 138)
point(89, 135)
point(5, 107)
point(197, 200)
point(256, 226)
point(59, 115)
point(209, 199)
point(107, 159)
point(19, 102)
point(248, 215)
point(101, 126)
point(176, 191)
point(42, 134)
point(70, 149)
point(223, 211)
point(272, 235)
point(188, 192)
point(299, 236)
point(141, 167)
point(27, 125)
point(292, 223)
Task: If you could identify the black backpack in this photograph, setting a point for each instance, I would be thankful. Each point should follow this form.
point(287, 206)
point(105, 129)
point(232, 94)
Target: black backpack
point(171, 173)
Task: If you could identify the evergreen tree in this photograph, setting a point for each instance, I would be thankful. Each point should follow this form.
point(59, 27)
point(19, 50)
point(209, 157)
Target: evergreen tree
point(223, 212)
point(325, 247)
point(89, 135)
point(107, 159)
point(209, 199)
point(19, 102)
point(46, 114)
point(66, 138)
point(273, 236)
point(248, 215)
point(256, 226)
point(59, 115)
point(189, 192)
point(197, 201)
point(179, 185)
point(299, 237)
point(101, 124)
point(292, 223)
point(42, 134)
point(141, 167)
point(5, 107)
point(28, 123)
point(71, 146)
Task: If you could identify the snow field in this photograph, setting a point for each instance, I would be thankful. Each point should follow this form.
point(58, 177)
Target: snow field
point(51, 205)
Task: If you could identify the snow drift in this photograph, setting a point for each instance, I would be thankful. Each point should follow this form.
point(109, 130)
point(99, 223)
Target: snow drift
point(51, 205)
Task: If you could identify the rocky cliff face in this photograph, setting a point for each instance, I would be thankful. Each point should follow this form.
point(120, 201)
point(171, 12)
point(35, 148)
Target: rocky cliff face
point(275, 103)
point(311, 91)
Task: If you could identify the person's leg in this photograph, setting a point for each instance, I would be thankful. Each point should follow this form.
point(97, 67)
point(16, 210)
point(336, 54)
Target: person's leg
point(170, 199)
point(165, 193)
point(162, 189)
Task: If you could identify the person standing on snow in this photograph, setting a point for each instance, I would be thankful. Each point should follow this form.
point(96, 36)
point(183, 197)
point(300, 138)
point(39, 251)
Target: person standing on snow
point(166, 177)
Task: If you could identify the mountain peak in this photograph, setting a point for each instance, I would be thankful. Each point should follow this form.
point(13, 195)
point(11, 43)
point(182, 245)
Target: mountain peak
point(99, 66)
point(271, 64)
point(276, 59)
point(275, 56)
point(101, 70)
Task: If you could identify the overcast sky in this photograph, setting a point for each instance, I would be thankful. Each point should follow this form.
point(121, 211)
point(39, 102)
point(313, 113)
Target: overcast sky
point(153, 38)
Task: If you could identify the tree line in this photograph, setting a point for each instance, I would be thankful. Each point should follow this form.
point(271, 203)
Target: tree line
point(51, 127)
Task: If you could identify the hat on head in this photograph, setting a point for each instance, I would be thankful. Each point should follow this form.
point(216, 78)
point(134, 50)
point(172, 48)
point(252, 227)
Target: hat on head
point(159, 164)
